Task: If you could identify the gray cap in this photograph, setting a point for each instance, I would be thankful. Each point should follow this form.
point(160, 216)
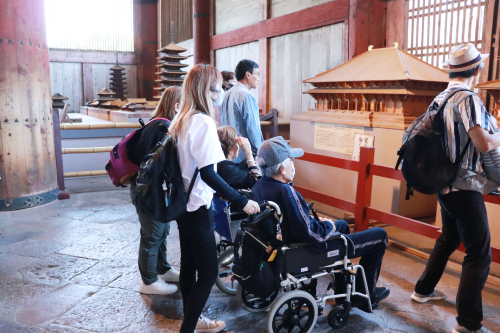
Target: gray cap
point(275, 151)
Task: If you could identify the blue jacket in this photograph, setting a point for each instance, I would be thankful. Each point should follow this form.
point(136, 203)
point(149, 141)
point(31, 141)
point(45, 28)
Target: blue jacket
point(298, 226)
point(241, 111)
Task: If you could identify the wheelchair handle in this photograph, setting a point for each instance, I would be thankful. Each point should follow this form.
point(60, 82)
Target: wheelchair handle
point(263, 205)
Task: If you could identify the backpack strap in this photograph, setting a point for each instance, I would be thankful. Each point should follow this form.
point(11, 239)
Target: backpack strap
point(192, 182)
point(439, 114)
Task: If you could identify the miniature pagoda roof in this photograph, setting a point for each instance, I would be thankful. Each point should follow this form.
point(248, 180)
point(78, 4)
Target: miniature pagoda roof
point(173, 64)
point(170, 79)
point(105, 91)
point(385, 64)
point(58, 97)
point(490, 85)
point(172, 48)
point(171, 72)
point(172, 56)
point(117, 68)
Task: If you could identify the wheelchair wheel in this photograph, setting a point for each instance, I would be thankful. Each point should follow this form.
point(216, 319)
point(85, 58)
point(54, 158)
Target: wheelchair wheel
point(338, 317)
point(295, 312)
point(225, 263)
point(252, 303)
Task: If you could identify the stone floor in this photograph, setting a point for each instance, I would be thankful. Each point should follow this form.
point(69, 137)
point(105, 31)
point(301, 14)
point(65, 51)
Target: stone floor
point(70, 266)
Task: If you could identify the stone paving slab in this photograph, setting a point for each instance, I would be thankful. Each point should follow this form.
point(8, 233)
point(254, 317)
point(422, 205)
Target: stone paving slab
point(10, 264)
point(32, 248)
point(99, 234)
point(9, 327)
point(56, 269)
point(109, 310)
point(14, 295)
point(11, 235)
point(95, 247)
point(106, 271)
point(50, 306)
point(64, 329)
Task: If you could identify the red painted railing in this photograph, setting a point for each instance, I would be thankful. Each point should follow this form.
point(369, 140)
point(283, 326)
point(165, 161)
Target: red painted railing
point(366, 169)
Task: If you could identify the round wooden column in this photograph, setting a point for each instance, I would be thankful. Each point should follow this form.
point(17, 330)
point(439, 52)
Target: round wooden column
point(27, 160)
point(201, 31)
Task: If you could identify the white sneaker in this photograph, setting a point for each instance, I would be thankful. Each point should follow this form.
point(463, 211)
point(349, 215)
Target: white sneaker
point(170, 276)
point(461, 329)
point(159, 287)
point(207, 325)
point(436, 295)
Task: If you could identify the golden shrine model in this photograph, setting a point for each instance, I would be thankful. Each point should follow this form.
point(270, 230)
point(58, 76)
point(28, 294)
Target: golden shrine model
point(493, 88)
point(385, 88)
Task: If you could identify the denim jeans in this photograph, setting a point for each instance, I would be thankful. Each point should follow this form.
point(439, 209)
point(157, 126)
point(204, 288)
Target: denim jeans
point(153, 249)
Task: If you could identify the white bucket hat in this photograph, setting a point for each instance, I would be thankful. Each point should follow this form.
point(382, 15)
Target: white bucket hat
point(463, 57)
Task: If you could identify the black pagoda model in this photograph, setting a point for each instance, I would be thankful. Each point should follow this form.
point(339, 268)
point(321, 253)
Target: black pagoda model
point(58, 101)
point(170, 69)
point(117, 82)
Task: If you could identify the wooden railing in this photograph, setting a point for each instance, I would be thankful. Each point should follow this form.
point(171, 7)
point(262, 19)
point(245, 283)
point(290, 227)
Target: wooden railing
point(271, 119)
point(366, 169)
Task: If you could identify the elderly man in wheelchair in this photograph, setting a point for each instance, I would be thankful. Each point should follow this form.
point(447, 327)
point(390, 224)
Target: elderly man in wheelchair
point(329, 245)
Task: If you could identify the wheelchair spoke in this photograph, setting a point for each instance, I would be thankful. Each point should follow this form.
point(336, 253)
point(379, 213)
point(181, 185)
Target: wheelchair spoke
point(281, 326)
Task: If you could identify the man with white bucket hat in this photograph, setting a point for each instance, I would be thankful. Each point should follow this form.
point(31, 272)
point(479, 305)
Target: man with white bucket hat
point(463, 211)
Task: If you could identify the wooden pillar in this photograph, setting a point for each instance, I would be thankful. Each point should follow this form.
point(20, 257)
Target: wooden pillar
point(201, 31)
point(27, 159)
point(396, 24)
point(367, 25)
point(88, 84)
point(145, 44)
point(264, 60)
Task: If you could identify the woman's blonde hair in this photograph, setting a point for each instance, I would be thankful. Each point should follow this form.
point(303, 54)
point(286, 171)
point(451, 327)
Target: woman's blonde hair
point(196, 95)
point(228, 137)
point(166, 105)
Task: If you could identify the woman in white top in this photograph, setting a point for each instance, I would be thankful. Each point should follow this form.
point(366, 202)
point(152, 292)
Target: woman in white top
point(199, 148)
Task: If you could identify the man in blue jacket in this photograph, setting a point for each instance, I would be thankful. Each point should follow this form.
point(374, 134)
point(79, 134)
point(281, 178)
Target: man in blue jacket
point(240, 109)
point(276, 159)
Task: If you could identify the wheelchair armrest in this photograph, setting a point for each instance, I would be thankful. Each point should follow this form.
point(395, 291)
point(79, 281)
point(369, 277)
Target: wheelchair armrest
point(336, 235)
point(296, 245)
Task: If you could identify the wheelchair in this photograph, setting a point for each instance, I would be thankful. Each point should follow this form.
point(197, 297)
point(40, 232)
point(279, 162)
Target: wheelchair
point(292, 306)
point(226, 224)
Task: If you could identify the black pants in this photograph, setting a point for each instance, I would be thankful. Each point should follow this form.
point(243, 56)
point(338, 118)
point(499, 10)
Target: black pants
point(198, 254)
point(464, 220)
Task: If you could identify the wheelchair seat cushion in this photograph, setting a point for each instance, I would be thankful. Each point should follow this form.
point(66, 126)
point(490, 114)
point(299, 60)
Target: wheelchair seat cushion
point(302, 260)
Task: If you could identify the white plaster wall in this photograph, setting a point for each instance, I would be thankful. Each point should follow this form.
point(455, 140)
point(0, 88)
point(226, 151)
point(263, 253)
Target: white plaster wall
point(226, 59)
point(300, 56)
point(234, 14)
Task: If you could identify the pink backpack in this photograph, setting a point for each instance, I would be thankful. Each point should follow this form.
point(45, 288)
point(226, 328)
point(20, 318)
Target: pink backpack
point(119, 168)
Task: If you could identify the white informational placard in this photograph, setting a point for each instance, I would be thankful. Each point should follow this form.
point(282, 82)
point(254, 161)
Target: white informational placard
point(336, 138)
point(361, 140)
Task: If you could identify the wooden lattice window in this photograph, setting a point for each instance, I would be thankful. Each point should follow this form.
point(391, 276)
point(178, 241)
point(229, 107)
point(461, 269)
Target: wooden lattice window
point(434, 26)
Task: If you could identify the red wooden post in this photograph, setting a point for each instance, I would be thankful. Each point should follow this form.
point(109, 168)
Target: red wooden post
point(146, 45)
point(364, 189)
point(201, 31)
point(264, 73)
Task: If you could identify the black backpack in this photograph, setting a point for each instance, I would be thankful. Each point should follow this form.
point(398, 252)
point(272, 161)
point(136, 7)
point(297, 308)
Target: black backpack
point(424, 163)
point(158, 190)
